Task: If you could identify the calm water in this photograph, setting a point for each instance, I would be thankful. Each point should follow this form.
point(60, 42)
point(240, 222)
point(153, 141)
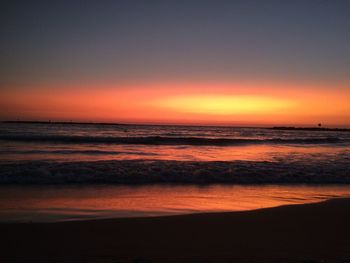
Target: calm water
point(59, 172)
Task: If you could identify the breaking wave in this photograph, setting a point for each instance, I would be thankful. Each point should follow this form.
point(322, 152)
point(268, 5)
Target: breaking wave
point(160, 140)
point(66, 152)
point(194, 172)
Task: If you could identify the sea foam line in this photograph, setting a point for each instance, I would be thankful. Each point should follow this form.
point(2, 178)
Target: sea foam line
point(161, 140)
point(195, 172)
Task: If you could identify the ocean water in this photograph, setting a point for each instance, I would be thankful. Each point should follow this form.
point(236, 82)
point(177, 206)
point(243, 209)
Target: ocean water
point(51, 172)
point(138, 154)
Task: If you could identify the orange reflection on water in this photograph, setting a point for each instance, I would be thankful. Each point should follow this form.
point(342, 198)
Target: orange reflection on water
point(84, 202)
point(262, 152)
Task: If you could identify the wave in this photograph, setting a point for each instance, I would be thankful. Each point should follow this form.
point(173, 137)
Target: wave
point(161, 140)
point(159, 171)
point(88, 152)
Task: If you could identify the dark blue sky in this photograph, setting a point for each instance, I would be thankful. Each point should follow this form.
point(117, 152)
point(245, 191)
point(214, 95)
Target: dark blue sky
point(121, 41)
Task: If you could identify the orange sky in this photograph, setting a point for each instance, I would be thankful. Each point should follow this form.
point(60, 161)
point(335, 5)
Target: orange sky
point(183, 103)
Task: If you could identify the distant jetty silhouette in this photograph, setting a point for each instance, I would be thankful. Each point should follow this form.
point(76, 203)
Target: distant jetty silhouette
point(63, 122)
point(308, 128)
point(319, 128)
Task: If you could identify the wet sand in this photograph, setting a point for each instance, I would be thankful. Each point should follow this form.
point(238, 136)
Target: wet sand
point(297, 233)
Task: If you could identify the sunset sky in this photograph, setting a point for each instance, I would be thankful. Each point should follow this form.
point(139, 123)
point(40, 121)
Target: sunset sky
point(182, 62)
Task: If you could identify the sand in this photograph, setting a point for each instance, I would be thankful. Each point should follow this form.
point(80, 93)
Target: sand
point(298, 233)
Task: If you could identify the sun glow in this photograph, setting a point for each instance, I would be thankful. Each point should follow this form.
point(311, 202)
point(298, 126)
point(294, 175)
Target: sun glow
point(225, 105)
point(183, 103)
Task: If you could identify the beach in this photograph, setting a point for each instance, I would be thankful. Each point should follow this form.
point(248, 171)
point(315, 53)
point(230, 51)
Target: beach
point(175, 131)
point(148, 193)
point(316, 232)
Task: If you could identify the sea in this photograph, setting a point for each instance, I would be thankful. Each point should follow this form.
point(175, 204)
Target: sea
point(67, 171)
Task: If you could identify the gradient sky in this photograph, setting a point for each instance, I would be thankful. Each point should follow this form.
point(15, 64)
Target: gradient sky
point(197, 62)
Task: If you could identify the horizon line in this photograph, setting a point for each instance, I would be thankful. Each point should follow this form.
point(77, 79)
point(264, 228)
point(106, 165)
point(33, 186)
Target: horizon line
point(177, 124)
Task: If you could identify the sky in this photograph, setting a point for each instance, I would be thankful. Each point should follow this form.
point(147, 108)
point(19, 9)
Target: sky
point(183, 62)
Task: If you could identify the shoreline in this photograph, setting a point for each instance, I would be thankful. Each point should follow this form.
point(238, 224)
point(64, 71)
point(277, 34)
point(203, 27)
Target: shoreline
point(315, 232)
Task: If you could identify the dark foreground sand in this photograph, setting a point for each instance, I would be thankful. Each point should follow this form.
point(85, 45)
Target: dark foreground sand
point(301, 233)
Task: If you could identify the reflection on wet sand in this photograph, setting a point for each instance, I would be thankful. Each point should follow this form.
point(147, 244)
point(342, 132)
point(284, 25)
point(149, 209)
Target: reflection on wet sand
point(56, 203)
